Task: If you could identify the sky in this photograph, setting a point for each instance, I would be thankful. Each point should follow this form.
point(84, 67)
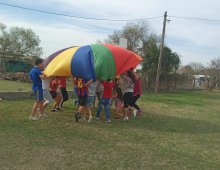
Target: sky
point(193, 40)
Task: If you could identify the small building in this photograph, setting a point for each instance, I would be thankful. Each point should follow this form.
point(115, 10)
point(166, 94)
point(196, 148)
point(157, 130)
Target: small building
point(14, 66)
point(200, 81)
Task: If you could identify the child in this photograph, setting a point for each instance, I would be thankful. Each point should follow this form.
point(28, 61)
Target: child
point(36, 76)
point(119, 103)
point(64, 93)
point(82, 90)
point(46, 92)
point(106, 100)
point(137, 93)
point(75, 100)
point(91, 98)
point(116, 85)
point(56, 96)
point(99, 92)
point(129, 81)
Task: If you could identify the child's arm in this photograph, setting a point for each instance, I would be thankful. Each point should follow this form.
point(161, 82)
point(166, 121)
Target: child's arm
point(43, 77)
point(40, 74)
point(115, 95)
point(88, 83)
point(73, 80)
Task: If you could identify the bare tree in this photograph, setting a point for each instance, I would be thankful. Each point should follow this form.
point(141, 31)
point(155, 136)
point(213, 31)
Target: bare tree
point(135, 32)
point(197, 67)
point(213, 72)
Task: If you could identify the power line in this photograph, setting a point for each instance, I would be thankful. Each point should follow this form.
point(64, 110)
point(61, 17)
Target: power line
point(198, 19)
point(105, 19)
point(74, 16)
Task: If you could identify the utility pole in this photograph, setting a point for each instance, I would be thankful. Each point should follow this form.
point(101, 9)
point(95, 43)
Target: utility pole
point(161, 54)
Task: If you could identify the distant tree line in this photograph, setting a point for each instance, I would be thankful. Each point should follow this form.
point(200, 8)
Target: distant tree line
point(144, 41)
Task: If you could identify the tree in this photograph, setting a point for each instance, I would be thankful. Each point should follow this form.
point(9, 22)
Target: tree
point(135, 32)
point(187, 69)
point(146, 43)
point(197, 67)
point(18, 43)
point(150, 53)
point(170, 60)
point(213, 72)
point(26, 42)
point(4, 45)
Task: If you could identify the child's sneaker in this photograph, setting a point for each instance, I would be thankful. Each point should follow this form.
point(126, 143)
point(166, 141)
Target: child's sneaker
point(40, 116)
point(53, 110)
point(135, 113)
point(126, 118)
point(90, 119)
point(77, 116)
point(109, 121)
point(75, 102)
point(58, 108)
point(33, 118)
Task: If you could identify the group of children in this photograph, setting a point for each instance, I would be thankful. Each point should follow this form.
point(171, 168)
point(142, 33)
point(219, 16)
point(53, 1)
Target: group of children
point(46, 89)
point(107, 92)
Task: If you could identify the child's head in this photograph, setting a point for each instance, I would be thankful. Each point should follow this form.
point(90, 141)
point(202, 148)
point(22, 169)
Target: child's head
point(118, 90)
point(54, 78)
point(130, 74)
point(39, 63)
point(109, 80)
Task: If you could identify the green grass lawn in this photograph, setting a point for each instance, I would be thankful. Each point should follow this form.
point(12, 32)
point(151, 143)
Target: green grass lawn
point(7, 85)
point(11, 86)
point(176, 131)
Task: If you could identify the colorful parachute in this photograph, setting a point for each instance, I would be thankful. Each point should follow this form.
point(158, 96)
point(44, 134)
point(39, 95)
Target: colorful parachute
point(90, 62)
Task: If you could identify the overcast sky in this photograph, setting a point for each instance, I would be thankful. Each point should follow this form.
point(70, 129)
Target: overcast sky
point(194, 40)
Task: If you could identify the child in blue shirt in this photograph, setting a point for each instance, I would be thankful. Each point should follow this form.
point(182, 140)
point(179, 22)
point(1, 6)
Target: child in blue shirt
point(36, 76)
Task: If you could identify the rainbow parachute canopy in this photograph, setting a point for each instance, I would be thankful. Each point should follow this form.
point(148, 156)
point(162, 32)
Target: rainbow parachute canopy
point(101, 61)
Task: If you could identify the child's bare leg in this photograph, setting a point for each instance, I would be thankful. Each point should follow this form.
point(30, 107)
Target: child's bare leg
point(45, 104)
point(126, 111)
point(89, 111)
point(41, 107)
point(34, 109)
point(80, 109)
point(118, 113)
point(58, 101)
point(55, 104)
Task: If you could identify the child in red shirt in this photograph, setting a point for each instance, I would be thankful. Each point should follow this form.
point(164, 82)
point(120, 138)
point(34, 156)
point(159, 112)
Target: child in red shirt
point(137, 94)
point(54, 85)
point(106, 99)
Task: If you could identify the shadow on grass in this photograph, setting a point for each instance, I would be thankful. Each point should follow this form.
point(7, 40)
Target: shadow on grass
point(163, 123)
